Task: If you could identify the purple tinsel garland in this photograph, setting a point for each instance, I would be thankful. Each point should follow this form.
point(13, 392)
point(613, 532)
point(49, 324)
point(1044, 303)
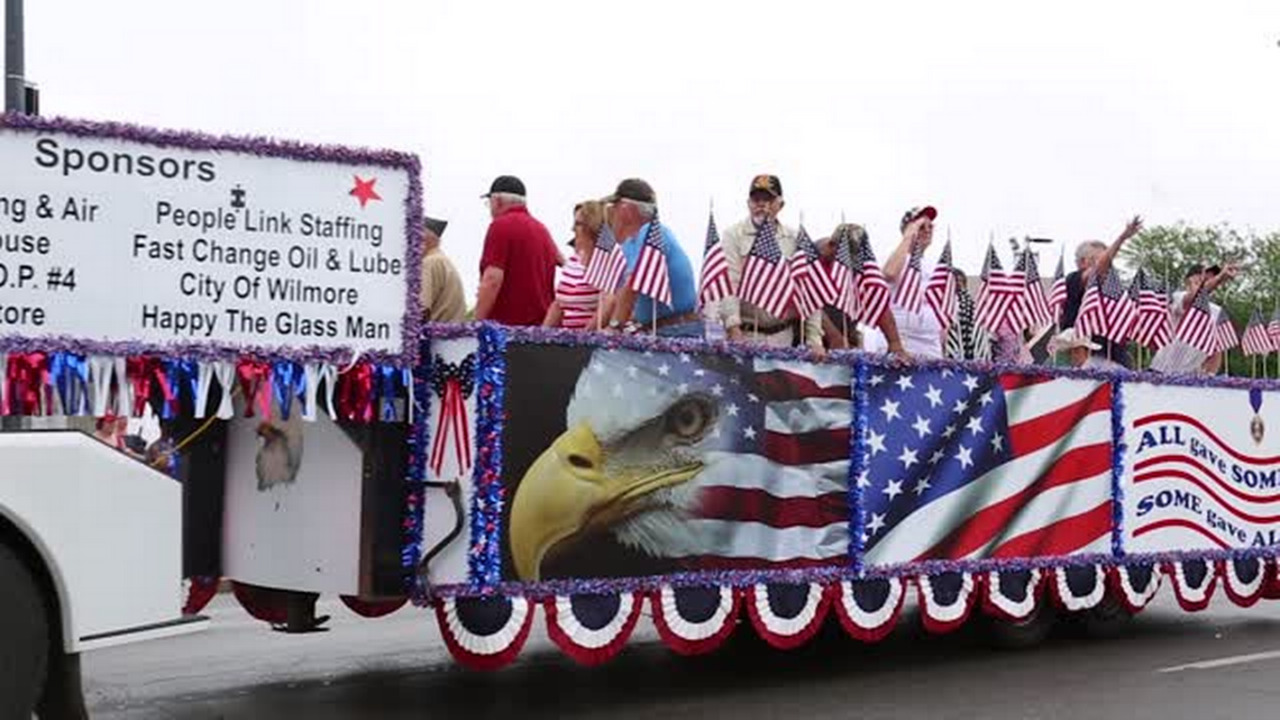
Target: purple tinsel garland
point(261, 147)
point(415, 491)
point(858, 464)
point(485, 559)
point(1118, 448)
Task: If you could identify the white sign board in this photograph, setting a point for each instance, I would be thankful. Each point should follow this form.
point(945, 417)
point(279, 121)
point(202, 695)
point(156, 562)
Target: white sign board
point(1203, 468)
point(113, 239)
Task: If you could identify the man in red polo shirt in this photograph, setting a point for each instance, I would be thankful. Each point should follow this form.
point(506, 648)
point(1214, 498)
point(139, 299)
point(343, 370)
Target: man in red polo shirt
point(518, 265)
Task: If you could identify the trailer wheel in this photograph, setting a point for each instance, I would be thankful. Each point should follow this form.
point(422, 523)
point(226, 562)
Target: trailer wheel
point(1022, 634)
point(24, 637)
point(1109, 619)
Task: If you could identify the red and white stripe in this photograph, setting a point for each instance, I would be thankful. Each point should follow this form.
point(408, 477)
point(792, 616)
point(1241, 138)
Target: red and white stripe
point(1091, 319)
point(1033, 311)
point(1257, 341)
point(1052, 498)
point(1197, 330)
point(909, 292)
point(1151, 327)
point(578, 299)
point(1224, 335)
point(1057, 297)
point(651, 275)
point(606, 268)
point(814, 288)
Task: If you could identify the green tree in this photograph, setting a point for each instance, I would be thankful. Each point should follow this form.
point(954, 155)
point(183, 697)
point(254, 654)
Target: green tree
point(1166, 251)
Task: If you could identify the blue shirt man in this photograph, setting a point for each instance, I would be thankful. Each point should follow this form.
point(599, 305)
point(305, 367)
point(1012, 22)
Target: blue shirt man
point(684, 293)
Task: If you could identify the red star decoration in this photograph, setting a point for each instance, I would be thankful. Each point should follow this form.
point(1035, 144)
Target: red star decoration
point(364, 192)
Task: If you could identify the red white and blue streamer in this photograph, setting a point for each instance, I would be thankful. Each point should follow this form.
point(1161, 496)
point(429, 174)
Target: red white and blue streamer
point(946, 600)
point(1244, 579)
point(1013, 595)
point(1080, 587)
point(1193, 583)
point(869, 609)
point(695, 620)
point(592, 629)
point(787, 615)
point(1136, 585)
point(484, 633)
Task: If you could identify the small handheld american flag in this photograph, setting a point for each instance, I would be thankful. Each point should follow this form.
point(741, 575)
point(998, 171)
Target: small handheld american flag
point(1224, 335)
point(1032, 312)
point(814, 287)
point(1197, 328)
point(1058, 293)
point(1151, 326)
point(1000, 292)
point(651, 276)
point(766, 279)
point(909, 293)
point(1257, 341)
point(714, 285)
point(1117, 308)
point(607, 263)
point(1273, 328)
point(940, 291)
point(873, 287)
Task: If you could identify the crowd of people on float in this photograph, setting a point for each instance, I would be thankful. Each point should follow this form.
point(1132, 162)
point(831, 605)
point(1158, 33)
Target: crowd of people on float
point(526, 279)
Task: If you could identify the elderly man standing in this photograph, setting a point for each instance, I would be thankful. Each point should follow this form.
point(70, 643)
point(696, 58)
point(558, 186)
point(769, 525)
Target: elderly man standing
point(744, 321)
point(518, 264)
point(634, 209)
point(440, 295)
point(1093, 261)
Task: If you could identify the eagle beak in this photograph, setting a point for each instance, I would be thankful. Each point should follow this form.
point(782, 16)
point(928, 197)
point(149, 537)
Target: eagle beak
point(566, 491)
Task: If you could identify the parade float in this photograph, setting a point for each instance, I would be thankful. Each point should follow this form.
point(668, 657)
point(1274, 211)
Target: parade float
point(259, 298)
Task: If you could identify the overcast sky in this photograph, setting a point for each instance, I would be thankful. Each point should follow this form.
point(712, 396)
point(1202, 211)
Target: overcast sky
point(1013, 118)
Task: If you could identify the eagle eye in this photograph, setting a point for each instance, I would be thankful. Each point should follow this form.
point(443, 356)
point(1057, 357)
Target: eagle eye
point(689, 419)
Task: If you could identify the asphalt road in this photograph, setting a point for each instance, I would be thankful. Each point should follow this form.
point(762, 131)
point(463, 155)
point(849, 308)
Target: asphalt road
point(1222, 663)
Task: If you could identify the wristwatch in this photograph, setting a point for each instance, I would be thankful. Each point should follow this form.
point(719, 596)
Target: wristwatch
point(614, 324)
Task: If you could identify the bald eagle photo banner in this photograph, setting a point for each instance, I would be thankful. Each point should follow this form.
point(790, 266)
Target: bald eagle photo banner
point(623, 463)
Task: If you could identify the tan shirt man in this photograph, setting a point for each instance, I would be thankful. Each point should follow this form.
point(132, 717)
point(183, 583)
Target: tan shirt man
point(441, 297)
point(732, 312)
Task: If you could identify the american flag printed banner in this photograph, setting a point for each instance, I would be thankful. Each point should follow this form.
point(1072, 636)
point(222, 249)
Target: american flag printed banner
point(1256, 340)
point(1203, 471)
point(607, 264)
point(714, 285)
point(972, 467)
point(766, 277)
point(699, 461)
point(940, 291)
point(814, 288)
point(909, 292)
point(651, 276)
point(1058, 292)
point(999, 293)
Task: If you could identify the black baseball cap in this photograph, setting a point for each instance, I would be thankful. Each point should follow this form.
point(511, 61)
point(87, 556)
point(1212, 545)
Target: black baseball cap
point(633, 189)
point(917, 212)
point(767, 184)
point(507, 184)
point(434, 225)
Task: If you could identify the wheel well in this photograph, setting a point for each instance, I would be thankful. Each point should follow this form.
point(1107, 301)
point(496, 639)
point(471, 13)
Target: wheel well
point(14, 539)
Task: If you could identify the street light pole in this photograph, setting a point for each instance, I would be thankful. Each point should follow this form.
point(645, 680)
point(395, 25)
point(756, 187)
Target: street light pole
point(15, 87)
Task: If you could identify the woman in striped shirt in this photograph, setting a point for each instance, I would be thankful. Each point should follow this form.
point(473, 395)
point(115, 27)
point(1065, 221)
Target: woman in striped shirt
point(577, 304)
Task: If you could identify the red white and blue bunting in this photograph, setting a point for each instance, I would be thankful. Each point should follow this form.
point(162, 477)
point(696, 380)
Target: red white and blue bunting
point(1193, 582)
point(1080, 587)
point(946, 600)
point(869, 609)
point(372, 609)
point(1136, 585)
point(1244, 579)
point(786, 616)
point(695, 620)
point(592, 629)
point(1013, 595)
point(484, 633)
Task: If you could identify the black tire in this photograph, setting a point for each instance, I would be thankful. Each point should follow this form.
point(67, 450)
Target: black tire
point(63, 694)
point(24, 638)
point(1109, 619)
point(1023, 634)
